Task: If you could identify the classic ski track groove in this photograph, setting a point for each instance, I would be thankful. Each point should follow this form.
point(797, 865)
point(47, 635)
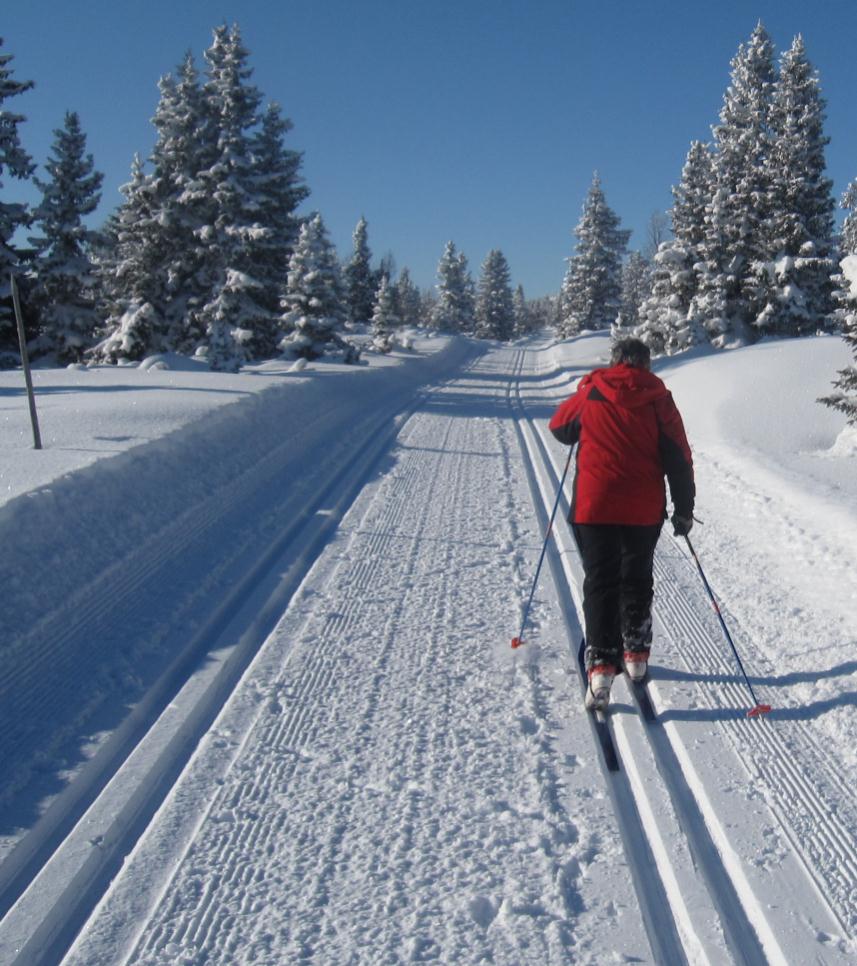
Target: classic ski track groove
point(811, 822)
point(114, 600)
point(671, 934)
point(148, 563)
point(206, 927)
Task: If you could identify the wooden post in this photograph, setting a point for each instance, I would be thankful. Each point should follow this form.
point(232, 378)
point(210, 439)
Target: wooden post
point(25, 361)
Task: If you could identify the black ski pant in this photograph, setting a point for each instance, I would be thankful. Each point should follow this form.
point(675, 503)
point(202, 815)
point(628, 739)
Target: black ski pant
point(617, 588)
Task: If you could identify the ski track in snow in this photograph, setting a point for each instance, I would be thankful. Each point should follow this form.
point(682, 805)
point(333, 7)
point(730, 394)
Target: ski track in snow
point(118, 602)
point(801, 776)
point(399, 796)
point(390, 782)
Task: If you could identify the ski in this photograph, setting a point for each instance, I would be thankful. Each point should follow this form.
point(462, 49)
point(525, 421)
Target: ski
point(599, 721)
point(644, 700)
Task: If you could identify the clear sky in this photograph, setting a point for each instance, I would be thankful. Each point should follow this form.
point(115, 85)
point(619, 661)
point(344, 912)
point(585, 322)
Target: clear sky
point(479, 121)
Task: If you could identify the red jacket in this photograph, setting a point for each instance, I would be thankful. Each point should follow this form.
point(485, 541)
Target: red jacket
point(628, 434)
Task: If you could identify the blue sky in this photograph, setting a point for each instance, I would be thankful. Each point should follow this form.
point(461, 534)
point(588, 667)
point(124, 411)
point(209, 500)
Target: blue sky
point(479, 121)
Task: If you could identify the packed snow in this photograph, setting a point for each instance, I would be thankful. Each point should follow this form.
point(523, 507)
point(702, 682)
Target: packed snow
point(385, 779)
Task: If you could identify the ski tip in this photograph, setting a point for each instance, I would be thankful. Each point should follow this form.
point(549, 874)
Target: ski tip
point(759, 710)
point(516, 642)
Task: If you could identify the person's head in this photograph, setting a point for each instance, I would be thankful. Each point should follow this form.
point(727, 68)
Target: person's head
point(631, 352)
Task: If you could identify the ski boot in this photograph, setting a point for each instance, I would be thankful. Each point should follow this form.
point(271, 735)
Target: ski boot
point(637, 663)
point(598, 688)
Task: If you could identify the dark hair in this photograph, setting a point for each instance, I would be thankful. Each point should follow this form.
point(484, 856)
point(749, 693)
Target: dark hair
point(631, 352)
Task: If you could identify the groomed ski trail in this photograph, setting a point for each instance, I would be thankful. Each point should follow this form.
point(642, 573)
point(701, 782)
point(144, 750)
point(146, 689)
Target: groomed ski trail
point(760, 801)
point(390, 782)
point(406, 788)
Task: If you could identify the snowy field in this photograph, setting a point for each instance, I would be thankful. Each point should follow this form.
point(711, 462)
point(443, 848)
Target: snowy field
point(259, 704)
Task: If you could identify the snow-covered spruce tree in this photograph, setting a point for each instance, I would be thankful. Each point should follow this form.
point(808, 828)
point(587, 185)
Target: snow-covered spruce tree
point(446, 311)
point(692, 196)
point(384, 318)
point(280, 191)
point(665, 324)
point(15, 162)
point(591, 291)
point(220, 224)
point(237, 318)
point(408, 298)
point(386, 269)
point(453, 310)
point(428, 303)
point(495, 312)
point(663, 318)
point(152, 282)
point(845, 397)
point(314, 303)
point(185, 147)
point(636, 288)
point(132, 291)
point(468, 302)
point(360, 282)
point(793, 282)
point(62, 272)
point(520, 312)
point(727, 298)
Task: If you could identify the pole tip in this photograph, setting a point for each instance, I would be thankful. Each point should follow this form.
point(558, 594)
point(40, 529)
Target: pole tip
point(759, 710)
point(516, 642)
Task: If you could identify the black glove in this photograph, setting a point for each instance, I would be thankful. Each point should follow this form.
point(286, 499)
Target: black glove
point(681, 525)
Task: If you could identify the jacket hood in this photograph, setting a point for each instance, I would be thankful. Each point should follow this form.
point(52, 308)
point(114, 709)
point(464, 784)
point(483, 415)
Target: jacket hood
point(628, 386)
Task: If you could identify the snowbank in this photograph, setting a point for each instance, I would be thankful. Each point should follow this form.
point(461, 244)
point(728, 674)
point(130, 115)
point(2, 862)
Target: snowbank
point(146, 470)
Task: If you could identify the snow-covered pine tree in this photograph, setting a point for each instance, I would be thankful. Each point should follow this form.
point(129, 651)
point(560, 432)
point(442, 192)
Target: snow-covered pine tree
point(152, 282)
point(386, 269)
point(845, 397)
point(238, 322)
point(132, 291)
point(793, 281)
point(665, 324)
point(62, 273)
point(521, 312)
point(408, 298)
point(636, 288)
point(428, 303)
point(185, 147)
point(468, 300)
point(314, 303)
point(495, 312)
point(360, 282)
point(591, 291)
point(384, 318)
point(452, 312)
point(663, 318)
point(727, 298)
point(281, 190)
point(692, 196)
point(15, 162)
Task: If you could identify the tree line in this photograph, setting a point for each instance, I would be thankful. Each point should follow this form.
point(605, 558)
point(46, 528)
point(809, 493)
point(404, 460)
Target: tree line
point(208, 254)
point(753, 251)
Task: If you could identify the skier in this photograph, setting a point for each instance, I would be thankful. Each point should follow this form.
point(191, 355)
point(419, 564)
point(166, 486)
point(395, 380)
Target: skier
point(629, 434)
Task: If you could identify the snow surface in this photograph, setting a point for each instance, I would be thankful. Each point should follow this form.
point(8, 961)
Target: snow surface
point(389, 781)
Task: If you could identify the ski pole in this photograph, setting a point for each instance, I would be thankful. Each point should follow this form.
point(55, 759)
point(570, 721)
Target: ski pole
point(757, 708)
point(519, 640)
